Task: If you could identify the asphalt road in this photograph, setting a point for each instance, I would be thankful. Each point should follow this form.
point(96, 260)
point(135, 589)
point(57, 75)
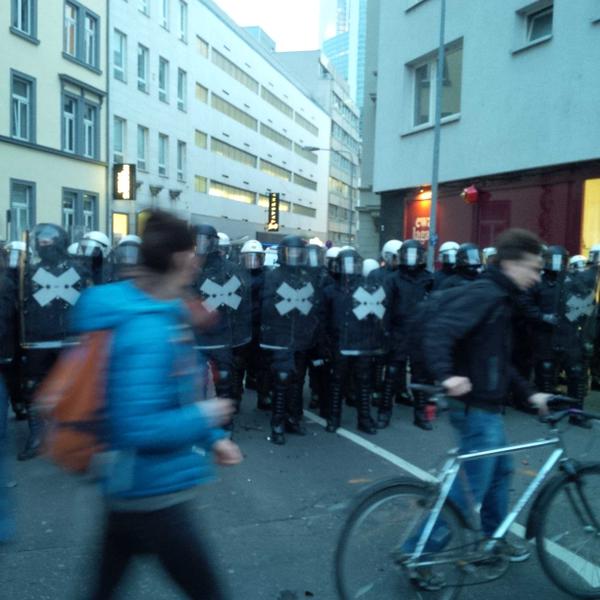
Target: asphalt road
point(273, 521)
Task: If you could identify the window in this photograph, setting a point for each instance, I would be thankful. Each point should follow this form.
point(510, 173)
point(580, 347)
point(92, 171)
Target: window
point(81, 35)
point(144, 7)
point(69, 124)
point(119, 133)
point(120, 56)
point(274, 101)
point(79, 212)
point(233, 112)
point(306, 124)
point(22, 207)
point(341, 162)
point(229, 151)
point(275, 136)
point(80, 129)
point(202, 46)
point(163, 79)
point(539, 24)
point(23, 107)
point(234, 71)
point(305, 211)
point(164, 13)
point(143, 63)
point(307, 154)
point(201, 139)
point(345, 138)
point(274, 170)
point(183, 16)
point(71, 16)
point(181, 89)
point(200, 184)
point(24, 17)
point(230, 192)
point(201, 93)
point(163, 154)
point(181, 157)
point(304, 182)
point(142, 148)
point(344, 110)
point(90, 130)
point(424, 86)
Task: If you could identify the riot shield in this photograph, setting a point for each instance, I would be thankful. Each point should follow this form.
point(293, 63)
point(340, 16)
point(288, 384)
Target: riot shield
point(580, 292)
point(291, 309)
point(360, 316)
point(225, 288)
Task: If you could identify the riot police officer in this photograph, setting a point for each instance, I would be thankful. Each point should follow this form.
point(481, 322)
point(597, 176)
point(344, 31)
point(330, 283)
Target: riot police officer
point(565, 304)
point(410, 287)
point(467, 267)
point(50, 286)
point(125, 257)
point(225, 289)
point(250, 358)
point(447, 258)
point(356, 310)
point(488, 255)
point(291, 316)
point(94, 248)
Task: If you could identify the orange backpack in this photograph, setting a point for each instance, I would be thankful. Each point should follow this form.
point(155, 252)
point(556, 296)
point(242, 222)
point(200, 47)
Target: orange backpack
point(71, 398)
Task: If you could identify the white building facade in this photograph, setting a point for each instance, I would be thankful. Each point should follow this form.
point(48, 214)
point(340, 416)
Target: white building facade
point(519, 118)
point(53, 116)
point(315, 71)
point(212, 122)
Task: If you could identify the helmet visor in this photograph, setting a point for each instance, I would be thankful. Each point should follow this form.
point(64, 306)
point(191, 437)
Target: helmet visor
point(314, 257)
point(448, 257)
point(472, 257)
point(90, 248)
point(390, 259)
point(556, 262)
point(411, 257)
point(252, 260)
point(206, 244)
point(127, 254)
point(14, 256)
point(350, 265)
point(294, 256)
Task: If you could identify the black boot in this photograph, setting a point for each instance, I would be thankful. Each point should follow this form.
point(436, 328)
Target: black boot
point(294, 422)
point(577, 388)
point(33, 445)
point(335, 407)
point(365, 422)
point(386, 403)
point(278, 416)
point(420, 415)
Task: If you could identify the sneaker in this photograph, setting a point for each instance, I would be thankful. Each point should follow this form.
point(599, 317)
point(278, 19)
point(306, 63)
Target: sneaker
point(515, 552)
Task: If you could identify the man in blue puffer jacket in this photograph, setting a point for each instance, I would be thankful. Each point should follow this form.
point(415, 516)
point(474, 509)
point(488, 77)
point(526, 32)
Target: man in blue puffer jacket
point(158, 434)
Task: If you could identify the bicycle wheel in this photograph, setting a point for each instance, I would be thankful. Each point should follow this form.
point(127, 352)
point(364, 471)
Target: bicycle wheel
point(381, 533)
point(568, 536)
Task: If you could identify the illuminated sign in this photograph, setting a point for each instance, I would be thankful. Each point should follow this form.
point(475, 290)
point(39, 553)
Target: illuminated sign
point(273, 220)
point(124, 182)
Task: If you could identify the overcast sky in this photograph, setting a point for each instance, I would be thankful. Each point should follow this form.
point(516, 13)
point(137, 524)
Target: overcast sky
point(293, 24)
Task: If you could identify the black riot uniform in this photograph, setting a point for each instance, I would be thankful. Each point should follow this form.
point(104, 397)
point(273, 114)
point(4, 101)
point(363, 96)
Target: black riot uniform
point(356, 316)
point(225, 289)
point(50, 285)
point(249, 359)
point(292, 310)
point(409, 287)
point(467, 269)
point(563, 329)
point(319, 359)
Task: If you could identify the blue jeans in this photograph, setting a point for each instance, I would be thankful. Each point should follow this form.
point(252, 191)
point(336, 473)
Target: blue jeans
point(6, 521)
point(484, 481)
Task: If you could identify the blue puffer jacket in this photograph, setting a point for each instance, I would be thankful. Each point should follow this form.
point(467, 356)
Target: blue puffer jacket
point(157, 433)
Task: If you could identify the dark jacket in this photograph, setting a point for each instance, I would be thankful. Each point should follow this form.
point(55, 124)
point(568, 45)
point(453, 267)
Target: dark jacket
point(471, 336)
point(440, 276)
point(456, 280)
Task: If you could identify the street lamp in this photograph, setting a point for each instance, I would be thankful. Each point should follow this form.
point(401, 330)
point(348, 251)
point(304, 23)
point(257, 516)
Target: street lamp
point(350, 187)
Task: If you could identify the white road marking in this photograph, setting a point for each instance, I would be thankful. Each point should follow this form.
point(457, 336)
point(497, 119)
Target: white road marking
point(578, 564)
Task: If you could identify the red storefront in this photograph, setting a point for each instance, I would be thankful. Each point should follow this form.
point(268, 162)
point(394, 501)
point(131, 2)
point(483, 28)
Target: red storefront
point(561, 205)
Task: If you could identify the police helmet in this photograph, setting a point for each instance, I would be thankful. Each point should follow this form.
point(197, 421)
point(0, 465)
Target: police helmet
point(50, 242)
point(207, 240)
point(412, 254)
point(127, 251)
point(330, 259)
point(349, 262)
point(94, 243)
point(369, 265)
point(578, 263)
point(594, 256)
point(447, 255)
point(555, 258)
point(468, 256)
point(291, 251)
point(315, 255)
point(252, 255)
point(389, 252)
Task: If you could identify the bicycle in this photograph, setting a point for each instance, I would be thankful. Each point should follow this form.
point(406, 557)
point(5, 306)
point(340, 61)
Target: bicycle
point(404, 538)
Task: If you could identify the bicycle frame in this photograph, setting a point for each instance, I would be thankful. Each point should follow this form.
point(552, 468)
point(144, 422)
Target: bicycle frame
point(448, 476)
